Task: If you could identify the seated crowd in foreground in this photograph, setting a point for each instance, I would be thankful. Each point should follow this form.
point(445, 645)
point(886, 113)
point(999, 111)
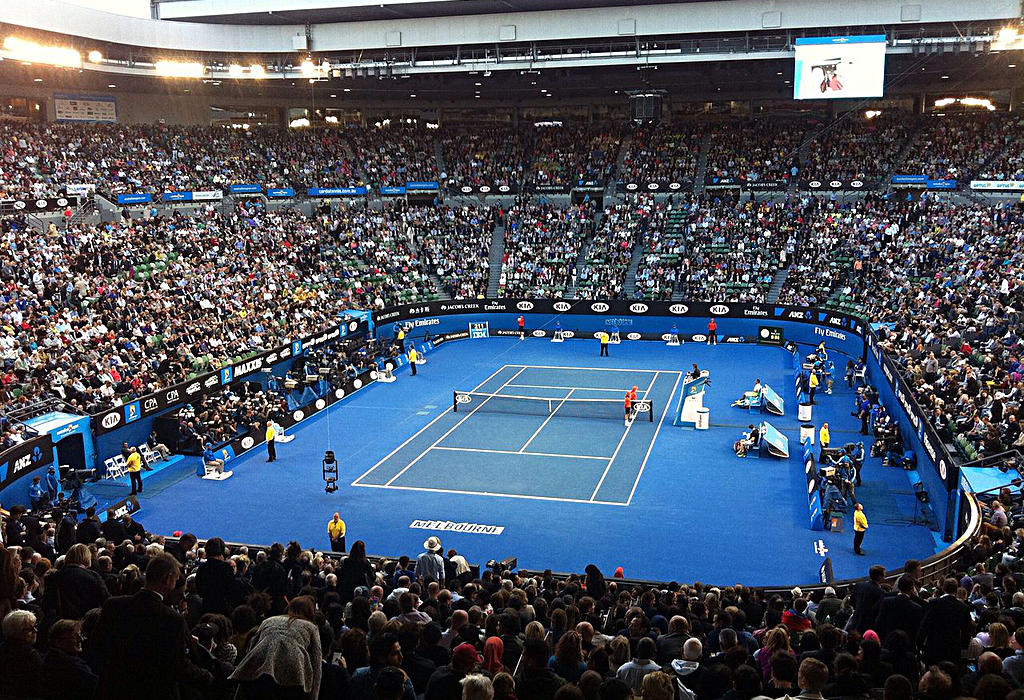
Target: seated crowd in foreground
point(86, 604)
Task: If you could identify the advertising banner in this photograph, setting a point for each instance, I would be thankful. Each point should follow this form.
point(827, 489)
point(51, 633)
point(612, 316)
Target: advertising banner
point(833, 184)
point(137, 198)
point(85, 108)
point(326, 192)
point(245, 189)
point(421, 186)
point(654, 187)
point(210, 382)
point(484, 189)
point(998, 185)
point(25, 457)
point(280, 192)
point(29, 206)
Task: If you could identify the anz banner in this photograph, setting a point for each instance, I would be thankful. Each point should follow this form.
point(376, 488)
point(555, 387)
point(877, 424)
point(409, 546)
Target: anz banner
point(25, 457)
point(624, 307)
point(188, 391)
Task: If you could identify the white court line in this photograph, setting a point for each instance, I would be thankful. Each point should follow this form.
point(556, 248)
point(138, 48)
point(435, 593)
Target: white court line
point(510, 452)
point(622, 440)
point(497, 495)
point(595, 369)
point(550, 416)
point(619, 389)
point(390, 454)
point(450, 430)
point(654, 439)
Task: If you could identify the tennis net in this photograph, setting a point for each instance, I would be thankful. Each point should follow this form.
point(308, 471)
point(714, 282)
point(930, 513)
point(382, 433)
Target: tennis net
point(473, 401)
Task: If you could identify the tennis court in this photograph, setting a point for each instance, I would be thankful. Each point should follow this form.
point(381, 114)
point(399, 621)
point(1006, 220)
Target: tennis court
point(538, 432)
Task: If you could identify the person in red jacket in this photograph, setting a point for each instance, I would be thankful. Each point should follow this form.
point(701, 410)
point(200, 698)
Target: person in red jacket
point(795, 618)
point(712, 332)
point(522, 327)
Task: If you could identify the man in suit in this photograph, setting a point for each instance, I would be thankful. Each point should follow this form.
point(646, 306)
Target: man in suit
point(900, 612)
point(142, 632)
point(215, 579)
point(88, 531)
point(866, 597)
point(945, 627)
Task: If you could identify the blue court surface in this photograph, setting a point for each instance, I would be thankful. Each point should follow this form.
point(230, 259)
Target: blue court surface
point(537, 461)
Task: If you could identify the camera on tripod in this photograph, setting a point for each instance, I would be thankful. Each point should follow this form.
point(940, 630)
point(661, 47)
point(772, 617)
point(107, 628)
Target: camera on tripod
point(330, 471)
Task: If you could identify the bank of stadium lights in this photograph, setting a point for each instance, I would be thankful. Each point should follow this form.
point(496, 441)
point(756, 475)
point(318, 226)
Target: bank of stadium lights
point(95, 57)
point(981, 102)
point(1008, 38)
point(239, 72)
point(180, 69)
point(872, 113)
point(31, 52)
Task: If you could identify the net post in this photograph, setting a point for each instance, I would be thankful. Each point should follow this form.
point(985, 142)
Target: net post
point(650, 413)
point(455, 402)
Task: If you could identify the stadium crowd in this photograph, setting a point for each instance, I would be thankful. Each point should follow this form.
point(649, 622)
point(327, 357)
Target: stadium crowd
point(84, 603)
point(855, 148)
point(542, 245)
point(565, 154)
point(490, 155)
point(755, 150)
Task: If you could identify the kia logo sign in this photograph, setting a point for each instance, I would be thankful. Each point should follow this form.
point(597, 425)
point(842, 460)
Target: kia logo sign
point(19, 205)
point(633, 336)
point(373, 375)
point(484, 189)
point(62, 202)
point(320, 403)
point(652, 186)
point(463, 398)
point(719, 309)
point(504, 188)
point(339, 393)
point(524, 305)
point(568, 334)
point(675, 186)
point(678, 309)
point(41, 203)
point(358, 384)
point(664, 336)
point(598, 334)
point(599, 307)
point(247, 442)
point(835, 183)
point(298, 415)
point(110, 420)
point(352, 327)
point(467, 189)
point(638, 308)
point(390, 365)
point(632, 187)
point(699, 338)
point(857, 183)
point(538, 333)
point(942, 469)
point(562, 306)
point(815, 183)
point(643, 406)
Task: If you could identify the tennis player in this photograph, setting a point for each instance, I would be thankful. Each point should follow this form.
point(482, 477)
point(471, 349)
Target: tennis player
point(628, 402)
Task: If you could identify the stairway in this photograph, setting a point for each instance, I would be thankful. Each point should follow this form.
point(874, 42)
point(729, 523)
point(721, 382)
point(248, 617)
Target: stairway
point(629, 285)
point(442, 168)
point(496, 254)
point(702, 164)
point(612, 186)
point(777, 283)
point(442, 293)
point(581, 259)
point(803, 154)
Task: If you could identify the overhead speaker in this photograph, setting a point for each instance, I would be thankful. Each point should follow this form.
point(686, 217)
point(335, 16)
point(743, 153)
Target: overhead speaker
point(645, 107)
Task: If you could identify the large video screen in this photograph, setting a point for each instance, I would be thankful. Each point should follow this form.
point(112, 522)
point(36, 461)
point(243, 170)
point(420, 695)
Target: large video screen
point(835, 67)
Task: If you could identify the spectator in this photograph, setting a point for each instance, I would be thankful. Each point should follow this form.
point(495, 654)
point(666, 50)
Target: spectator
point(284, 656)
point(22, 664)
